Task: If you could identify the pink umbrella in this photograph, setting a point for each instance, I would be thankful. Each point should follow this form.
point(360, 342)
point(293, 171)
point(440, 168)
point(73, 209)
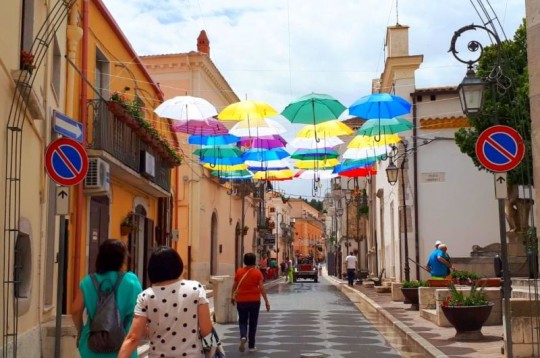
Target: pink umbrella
point(264, 142)
point(207, 126)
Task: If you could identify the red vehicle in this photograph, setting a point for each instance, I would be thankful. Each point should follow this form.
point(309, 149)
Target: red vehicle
point(306, 269)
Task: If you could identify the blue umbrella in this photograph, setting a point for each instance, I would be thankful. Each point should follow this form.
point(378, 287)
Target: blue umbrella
point(380, 105)
point(349, 164)
point(221, 161)
point(213, 139)
point(265, 154)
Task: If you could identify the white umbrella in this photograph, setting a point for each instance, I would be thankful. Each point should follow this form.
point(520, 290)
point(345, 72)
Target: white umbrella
point(311, 143)
point(361, 153)
point(257, 128)
point(315, 174)
point(186, 108)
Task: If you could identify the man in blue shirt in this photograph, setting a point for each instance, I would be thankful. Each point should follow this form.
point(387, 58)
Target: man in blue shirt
point(437, 265)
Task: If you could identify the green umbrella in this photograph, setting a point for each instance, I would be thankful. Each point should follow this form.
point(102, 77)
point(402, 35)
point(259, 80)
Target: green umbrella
point(313, 108)
point(378, 127)
point(218, 152)
point(233, 175)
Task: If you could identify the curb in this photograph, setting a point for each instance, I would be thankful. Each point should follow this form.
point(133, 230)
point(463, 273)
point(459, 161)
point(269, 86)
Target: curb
point(419, 340)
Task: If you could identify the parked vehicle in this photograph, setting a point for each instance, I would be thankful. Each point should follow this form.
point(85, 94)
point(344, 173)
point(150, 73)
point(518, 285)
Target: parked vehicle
point(306, 269)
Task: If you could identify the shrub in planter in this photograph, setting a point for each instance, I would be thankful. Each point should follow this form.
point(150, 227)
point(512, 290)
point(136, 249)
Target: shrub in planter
point(410, 292)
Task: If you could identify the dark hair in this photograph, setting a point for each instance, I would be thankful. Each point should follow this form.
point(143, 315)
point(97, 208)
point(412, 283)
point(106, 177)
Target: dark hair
point(111, 256)
point(249, 259)
point(165, 264)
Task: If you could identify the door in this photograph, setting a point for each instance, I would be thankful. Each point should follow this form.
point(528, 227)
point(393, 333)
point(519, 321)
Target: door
point(141, 245)
point(98, 229)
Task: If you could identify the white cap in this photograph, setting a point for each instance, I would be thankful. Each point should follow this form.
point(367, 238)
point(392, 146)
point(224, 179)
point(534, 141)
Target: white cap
point(438, 242)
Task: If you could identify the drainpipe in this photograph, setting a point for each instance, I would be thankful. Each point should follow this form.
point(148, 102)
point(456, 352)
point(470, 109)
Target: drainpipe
point(415, 185)
point(79, 199)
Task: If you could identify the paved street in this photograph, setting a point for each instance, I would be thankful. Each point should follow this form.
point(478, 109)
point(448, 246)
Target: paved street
point(309, 317)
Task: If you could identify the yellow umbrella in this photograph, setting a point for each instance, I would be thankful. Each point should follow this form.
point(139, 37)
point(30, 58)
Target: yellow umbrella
point(326, 129)
point(246, 110)
point(316, 164)
point(363, 141)
point(284, 174)
point(224, 167)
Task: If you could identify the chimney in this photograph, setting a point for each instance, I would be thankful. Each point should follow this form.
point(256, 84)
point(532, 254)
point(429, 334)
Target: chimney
point(203, 45)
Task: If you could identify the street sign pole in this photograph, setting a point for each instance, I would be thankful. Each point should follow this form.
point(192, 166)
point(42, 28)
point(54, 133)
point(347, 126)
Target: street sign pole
point(506, 278)
point(60, 288)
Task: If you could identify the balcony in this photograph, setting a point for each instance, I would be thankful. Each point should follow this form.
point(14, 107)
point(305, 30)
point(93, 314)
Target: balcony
point(123, 138)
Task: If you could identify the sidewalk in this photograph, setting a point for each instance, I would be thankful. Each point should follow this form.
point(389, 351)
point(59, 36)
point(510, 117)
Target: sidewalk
point(436, 341)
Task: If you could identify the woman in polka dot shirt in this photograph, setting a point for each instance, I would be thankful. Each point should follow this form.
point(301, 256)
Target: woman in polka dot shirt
point(173, 312)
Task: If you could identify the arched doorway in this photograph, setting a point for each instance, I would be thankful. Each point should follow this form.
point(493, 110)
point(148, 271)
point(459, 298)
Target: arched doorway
point(214, 252)
point(141, 244)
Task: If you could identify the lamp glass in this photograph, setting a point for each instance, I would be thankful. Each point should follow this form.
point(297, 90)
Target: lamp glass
point(392, 173)
point(471, 93)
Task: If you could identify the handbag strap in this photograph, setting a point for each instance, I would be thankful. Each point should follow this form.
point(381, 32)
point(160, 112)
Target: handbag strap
point(242, 279)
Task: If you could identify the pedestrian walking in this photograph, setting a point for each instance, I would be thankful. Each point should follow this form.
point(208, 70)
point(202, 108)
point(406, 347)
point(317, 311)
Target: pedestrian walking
point(247, 290)
point(174, 312)
point(351, 264)
point(112, 255)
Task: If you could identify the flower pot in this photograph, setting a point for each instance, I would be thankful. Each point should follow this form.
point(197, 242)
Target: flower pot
point(411, 296)
point(489, 282)
point(125, 230)
point(467, 320)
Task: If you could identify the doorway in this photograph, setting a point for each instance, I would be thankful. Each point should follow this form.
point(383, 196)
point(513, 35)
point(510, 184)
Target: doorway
point(98, 228)
point(141, 245)
point(214, 253)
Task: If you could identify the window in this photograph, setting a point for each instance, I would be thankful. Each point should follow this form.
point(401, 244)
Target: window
point(56, 73)
point(22, 266)
point(102, 74)
point(27, 25)
point(433, 97)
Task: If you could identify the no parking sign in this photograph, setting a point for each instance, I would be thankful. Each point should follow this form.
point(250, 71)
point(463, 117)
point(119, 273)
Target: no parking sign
point(66, 161)
point(500, 148)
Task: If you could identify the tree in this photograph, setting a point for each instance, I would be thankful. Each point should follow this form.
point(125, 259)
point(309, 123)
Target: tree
point(506, 102)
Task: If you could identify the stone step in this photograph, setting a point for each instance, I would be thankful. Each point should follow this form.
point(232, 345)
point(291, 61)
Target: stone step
point(430, 315)
point(383, 289)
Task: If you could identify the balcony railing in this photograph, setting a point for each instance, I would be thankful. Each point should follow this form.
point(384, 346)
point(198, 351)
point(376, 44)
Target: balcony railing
point(116, 137)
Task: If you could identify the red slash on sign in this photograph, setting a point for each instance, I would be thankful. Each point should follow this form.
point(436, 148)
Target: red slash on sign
point(500, 148)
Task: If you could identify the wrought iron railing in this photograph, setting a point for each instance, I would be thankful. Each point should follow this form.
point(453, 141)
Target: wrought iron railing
point(109, 133)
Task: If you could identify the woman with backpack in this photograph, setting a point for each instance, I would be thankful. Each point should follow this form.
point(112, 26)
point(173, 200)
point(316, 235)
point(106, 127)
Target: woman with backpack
point(174, 312)
point(111, 258)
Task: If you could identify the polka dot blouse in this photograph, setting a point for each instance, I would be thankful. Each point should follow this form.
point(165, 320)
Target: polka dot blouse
point(171, 312)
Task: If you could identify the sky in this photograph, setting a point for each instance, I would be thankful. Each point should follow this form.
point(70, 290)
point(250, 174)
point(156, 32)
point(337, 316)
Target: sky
point(278, 50)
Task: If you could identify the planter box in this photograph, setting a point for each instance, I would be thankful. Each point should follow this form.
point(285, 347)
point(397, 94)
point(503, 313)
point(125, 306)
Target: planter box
point(411, 296)
point(467, 320)
point(439, 283)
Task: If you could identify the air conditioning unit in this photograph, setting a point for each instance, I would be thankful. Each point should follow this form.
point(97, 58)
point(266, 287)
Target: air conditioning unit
point(97, 180)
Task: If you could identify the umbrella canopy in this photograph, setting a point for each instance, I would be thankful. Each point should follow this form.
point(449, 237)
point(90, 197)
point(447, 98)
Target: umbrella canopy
point(314, 143)
point(315, 174)
point(319, 153)
point(331, 128)
point(223, 139)
point(359, 172)
point(233, 175)
point(316, 164)
point(206, 126)
point(223, 167)
point(365, 141)
point(265, 142)
point(186, 107)
point(313, 108)
point(261, 127)
point(258, 165)
point(380, 105)
point(218, 152)
point(384, 126)
point(285, 174)
point(265, 154)
point(214, 161)
point(246, 110)
point(361, 153)
point(349, 164)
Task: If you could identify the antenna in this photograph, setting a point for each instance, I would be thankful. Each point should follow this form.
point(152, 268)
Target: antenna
point(397, 12)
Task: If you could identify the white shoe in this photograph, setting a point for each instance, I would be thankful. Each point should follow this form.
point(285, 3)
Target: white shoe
point(242, 347)
point(254, 349)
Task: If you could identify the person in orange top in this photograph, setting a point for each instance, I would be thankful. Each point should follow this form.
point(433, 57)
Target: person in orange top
point(246, 293)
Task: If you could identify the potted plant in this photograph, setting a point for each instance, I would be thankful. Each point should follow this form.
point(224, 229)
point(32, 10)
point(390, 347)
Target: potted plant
point(410, 292)
point(464, 277)
point(127, 224)
point(467, 311)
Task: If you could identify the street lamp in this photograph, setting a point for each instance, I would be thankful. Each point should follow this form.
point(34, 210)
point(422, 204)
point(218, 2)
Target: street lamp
point(392, 172)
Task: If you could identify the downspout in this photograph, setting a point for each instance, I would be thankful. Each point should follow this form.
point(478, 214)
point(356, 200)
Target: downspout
point(415, 184)
point(79, 188)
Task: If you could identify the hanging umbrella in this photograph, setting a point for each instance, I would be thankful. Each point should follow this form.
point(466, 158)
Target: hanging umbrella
point(315, 174)
point(186, 107)
point(314, 154)
point(265, 142)
point(265, 154)
point(359, 172)
point(215, 161)
point(312, 143)
point(349, 164)
point(233, 175)
point(224, 167)
point(258, 165)
point(332, 128)
point(316, 164)
point(218, 152)
point(380, 105)
point(257, 128)
point(313, 108)
point(285, 174)
point(365, 141)
point(385, 126)
point(223, 139)
point(206, 126)
point(246, 110)
point(361, 153)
